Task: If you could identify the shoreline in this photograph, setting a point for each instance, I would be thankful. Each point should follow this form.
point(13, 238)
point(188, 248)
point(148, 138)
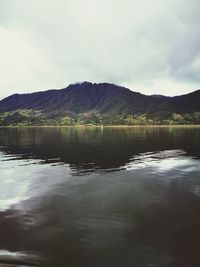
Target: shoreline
point(104, 126)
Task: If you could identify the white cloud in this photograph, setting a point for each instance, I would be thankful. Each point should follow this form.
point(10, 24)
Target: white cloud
point(150, 46)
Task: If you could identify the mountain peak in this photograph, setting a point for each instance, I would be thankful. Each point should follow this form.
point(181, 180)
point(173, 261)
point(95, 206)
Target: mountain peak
point(81, 83)
point(88, 84)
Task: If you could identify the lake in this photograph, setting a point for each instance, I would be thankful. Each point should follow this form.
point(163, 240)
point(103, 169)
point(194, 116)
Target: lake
point(92, 197)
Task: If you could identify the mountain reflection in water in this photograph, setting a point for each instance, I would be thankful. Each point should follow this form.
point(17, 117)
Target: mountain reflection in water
point(94, 197)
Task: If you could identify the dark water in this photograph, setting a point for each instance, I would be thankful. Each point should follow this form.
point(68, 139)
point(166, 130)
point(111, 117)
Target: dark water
point(100, 197)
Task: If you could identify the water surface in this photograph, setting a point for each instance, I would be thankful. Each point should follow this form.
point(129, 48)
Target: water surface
point(91, 197)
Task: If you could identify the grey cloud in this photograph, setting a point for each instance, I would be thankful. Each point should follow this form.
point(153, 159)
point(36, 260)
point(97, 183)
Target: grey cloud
point(151, 46)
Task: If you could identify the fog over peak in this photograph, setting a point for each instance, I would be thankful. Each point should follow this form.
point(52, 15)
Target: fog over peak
point(150, 46)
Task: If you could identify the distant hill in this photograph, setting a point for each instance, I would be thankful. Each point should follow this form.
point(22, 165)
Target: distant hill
point(103, 99)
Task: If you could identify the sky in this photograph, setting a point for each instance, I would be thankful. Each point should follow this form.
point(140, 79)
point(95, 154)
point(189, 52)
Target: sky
point(150, 46)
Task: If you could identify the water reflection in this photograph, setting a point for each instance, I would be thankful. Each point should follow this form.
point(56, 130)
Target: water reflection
point(87, 197)
point(92, 148)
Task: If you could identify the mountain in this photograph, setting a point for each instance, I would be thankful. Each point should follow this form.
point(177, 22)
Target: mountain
point(82, 97)
point(104, 99)
point(187, 103)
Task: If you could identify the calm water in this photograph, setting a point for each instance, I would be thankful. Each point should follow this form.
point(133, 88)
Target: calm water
point(100, 197)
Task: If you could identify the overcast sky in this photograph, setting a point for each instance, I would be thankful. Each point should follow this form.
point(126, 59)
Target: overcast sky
point(151, 46)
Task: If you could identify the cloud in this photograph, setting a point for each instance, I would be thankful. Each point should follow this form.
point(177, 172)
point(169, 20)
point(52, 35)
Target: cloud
point(150, 46)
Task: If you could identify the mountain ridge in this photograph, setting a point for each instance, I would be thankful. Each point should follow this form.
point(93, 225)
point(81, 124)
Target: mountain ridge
point(97, 94)
point(90, 83)
point(102, 99)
